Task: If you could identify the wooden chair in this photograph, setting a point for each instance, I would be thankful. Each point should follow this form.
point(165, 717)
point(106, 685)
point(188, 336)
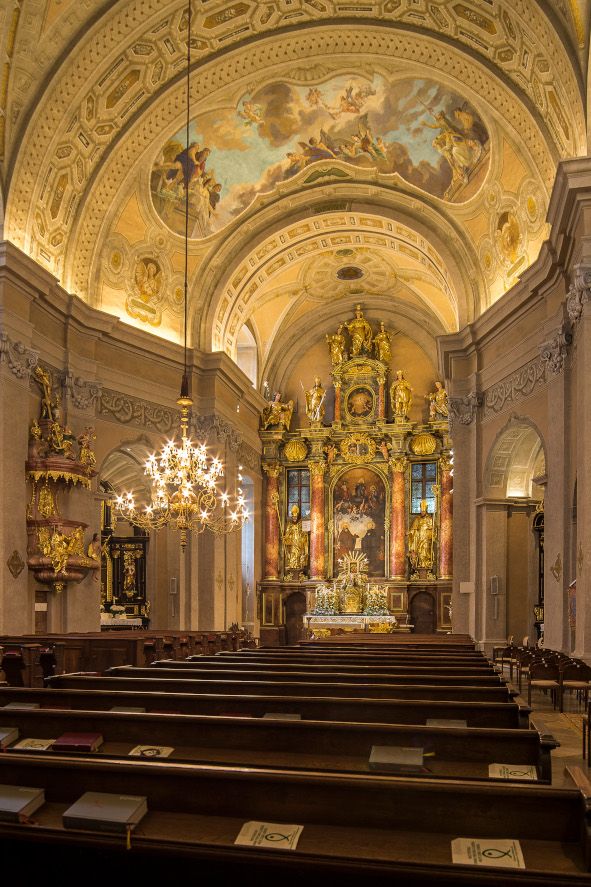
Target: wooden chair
point(575, 676)
point(545, 676)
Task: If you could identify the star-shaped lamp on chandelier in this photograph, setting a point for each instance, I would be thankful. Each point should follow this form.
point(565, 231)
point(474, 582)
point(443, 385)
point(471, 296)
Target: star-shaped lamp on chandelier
point(184, 477)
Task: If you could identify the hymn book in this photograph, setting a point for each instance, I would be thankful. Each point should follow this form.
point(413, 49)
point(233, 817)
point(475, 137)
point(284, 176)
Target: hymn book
point(17, 802)
point(78, 742)
point(8, 735)
point(396, 759)
point(105, 812)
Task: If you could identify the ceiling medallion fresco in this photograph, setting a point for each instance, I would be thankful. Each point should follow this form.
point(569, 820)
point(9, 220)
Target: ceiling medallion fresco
point(427, 134)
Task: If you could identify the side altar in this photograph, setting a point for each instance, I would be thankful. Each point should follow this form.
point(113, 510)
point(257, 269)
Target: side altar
point(371, 488)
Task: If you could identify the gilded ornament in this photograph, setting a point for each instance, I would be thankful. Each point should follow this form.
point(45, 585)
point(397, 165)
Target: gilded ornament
point(360, 332)
point(423, 444)
point(438, 403)
point(86, 455)
point(420, 540)
point(295, 544)
point(47, 505)
point(271, 469)
point(381, 344)
point(336, 346)
point(277, 413)
point(295, 450)
point(400, 397)
point(15, 564)
point(317, 469)
point(59, 547)
point(315, 397)
point(398, 463)
point(358, 448)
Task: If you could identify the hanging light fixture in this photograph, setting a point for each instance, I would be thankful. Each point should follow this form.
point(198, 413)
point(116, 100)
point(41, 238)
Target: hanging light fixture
point(184, 477)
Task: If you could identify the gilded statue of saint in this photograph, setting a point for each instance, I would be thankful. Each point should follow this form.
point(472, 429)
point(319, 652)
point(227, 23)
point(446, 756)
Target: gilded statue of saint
point(315, 402)
point(381, 344)
point(295, 542)
point(400, 396)
point(277, 413)
point(360, 332)
point(45, 381)
point(438, 406)
point(336, 346)
point(420, 540)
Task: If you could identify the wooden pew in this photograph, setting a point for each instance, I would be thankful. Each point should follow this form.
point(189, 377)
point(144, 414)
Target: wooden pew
point(104, 693)
point(357, 674)
point(367, 660)
point(375, 829)
point(452, 752)
point(159, 679)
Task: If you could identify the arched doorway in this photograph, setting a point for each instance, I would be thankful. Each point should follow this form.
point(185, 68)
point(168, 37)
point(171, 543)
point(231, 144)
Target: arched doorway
point(422, 613)
point(295, 607)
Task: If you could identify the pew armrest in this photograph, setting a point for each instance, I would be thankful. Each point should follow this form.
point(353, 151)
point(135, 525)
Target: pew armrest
point(581, 781)
point(524, 711)
point(546, 737)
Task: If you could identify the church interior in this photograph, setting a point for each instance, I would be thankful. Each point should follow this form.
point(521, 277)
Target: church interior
point(354, 237)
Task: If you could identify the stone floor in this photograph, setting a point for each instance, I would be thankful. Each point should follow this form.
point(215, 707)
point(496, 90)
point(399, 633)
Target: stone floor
point(567, 728)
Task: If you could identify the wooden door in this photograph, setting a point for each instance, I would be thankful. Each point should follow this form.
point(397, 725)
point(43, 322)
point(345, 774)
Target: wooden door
point(295, 607)
point(422, 613)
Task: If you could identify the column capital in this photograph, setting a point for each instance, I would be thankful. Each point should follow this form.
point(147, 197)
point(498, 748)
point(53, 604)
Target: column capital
point(20, 360)
point(271, 469)
point(398, 463)
point(579, 292)
point(317, 469)
point(446, 461)
point(463, 409)
point(553, 351)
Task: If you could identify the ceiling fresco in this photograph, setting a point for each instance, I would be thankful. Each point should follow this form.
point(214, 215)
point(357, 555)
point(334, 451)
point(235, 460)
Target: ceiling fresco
point(425, 133)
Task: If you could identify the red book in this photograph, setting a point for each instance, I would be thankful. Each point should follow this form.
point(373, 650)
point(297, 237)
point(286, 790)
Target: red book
point(78, 742)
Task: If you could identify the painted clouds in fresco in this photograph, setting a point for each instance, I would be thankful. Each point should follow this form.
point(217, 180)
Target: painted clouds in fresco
point(431, 137)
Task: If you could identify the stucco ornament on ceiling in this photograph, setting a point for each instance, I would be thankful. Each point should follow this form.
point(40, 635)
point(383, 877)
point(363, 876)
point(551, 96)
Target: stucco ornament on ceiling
point(418, 129)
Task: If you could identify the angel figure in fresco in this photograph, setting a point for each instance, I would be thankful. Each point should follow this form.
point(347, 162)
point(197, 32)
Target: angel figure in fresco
point(454, 142)
point(316, 149)
point(250, 113)
point(187, 165)
point(148, 279)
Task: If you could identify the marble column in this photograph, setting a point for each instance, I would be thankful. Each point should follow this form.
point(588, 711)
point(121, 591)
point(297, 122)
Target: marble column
point(398, 519)
point(272, 521)
point(317, 553)
point(337, 403)
point(446, 518)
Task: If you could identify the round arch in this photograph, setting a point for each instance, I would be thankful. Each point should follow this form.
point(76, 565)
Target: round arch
point(516, 460)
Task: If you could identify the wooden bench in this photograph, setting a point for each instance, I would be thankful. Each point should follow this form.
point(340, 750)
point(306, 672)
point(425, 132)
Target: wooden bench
point(160, 679)
point(322, 673)
point(452, 752)
point(388, 711)
point(372, 829)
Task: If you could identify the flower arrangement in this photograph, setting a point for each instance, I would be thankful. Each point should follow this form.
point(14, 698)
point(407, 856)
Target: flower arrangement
point(376, 601)
point(327, 601)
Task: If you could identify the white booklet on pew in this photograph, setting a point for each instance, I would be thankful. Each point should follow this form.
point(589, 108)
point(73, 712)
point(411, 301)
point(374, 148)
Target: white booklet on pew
point(273, 835)
point(498, 852)
point(513, 771)
point(33, 744)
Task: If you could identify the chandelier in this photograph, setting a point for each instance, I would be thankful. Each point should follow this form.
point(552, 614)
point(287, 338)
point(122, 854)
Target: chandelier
point(183, 476)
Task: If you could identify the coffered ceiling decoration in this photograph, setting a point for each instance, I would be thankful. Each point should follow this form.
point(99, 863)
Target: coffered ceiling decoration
point(421, 135)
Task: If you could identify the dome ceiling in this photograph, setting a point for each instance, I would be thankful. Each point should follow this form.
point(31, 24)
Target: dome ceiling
point(411, 151)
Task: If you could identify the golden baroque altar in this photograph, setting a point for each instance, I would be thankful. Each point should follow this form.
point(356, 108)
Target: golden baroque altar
point(369, 483)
